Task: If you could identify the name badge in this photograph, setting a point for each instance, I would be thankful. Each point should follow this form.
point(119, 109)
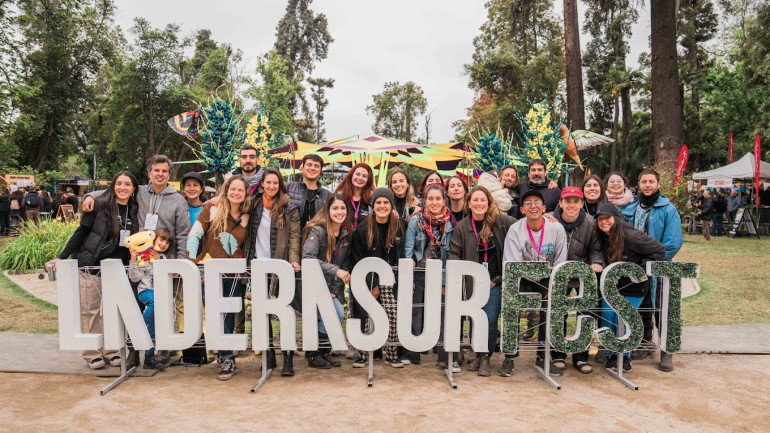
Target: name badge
point(123, 235)
point(151, 221)
point(486, 265)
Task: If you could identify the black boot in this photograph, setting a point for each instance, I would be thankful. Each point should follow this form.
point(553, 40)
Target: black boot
point(326, 354)
point(133, 359)
point(288, 364)
point(271, 364)
point(316, 360)
point(152, 362)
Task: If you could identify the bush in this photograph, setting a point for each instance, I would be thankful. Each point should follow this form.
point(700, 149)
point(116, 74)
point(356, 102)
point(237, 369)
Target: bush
point(36, 245)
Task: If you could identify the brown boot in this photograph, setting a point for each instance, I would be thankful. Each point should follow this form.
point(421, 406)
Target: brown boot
point(484, 369)
point(476, 364)
point(666, 362)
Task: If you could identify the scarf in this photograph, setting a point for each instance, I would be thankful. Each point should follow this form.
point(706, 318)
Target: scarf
point(544, 185)
point(648, 201)
point(591, 208)
point(266, 203)
point(620, 200)
point(434, 226)
point(573, 225)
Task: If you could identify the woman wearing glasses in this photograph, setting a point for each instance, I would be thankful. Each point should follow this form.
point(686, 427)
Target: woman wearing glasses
point(427, 237)
point(480, 239)
point(617, 189)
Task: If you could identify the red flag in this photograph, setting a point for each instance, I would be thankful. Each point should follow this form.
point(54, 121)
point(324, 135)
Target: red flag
point(757, 159)
point(681, 163)
point(730, 154)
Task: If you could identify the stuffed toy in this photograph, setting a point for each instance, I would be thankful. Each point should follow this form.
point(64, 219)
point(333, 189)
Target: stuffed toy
point(143, 244)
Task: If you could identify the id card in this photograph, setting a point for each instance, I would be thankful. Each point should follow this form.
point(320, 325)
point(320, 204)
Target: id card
point(151, 221)
point(486, 265)
point(123, 235)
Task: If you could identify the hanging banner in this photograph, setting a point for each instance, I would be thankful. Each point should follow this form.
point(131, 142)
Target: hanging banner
point(681, 163)
point(730, 152)
point(757, 160)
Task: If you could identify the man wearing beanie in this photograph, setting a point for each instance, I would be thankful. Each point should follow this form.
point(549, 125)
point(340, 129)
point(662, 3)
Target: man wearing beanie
point(656, 216)
point(532, 239)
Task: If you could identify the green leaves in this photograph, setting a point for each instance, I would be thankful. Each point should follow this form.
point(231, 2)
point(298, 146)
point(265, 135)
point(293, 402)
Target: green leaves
point(36, 245)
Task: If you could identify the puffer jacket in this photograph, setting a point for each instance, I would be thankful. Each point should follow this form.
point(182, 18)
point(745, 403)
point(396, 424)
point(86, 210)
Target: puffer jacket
point(284, 241)
point(583, 241)
point(315, 248)
point(90, 242)
point(298, 195)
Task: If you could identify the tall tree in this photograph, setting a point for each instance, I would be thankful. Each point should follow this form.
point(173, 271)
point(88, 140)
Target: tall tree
point(318, 93)
point(396, 110)
point(667, 126)
point(573, 66)
point(276, 91)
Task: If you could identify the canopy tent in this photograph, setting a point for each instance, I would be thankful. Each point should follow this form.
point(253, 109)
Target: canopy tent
point(379, 152)
point(741, 169)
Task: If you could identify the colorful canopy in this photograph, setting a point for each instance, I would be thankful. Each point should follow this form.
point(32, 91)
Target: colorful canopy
point(377, 152)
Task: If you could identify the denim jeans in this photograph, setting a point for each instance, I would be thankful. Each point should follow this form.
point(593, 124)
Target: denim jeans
point(716, 225)
point(231, 287)
point(340, 314)
point(147, 297)
point(610, 317)
point(492, 308)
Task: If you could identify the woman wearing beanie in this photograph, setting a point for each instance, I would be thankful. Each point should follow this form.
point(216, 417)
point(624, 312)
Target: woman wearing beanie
point(480, 239)
point(328, 240)
point(623, 243)
point(380, 235)
point(427, 237)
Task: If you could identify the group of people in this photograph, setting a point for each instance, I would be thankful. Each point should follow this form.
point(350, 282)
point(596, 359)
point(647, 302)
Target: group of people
point(255, 214)
point(712, 209)
point(27, 204)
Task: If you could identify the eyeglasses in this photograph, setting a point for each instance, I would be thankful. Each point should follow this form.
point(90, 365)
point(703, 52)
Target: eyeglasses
point(616, 181)
point(533, 203)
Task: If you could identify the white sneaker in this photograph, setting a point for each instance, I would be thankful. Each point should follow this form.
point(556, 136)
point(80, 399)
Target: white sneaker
point(96, 363)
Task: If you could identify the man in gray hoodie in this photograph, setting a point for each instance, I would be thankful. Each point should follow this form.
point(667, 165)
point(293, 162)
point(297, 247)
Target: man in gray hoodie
point(160, 205)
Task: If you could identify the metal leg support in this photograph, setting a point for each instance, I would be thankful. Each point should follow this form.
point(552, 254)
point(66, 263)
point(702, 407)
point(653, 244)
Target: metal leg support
point(124, 374)
point(266, 372)
point(545, 373)
point(619, 373)
point(448, 371)
point(370, 377)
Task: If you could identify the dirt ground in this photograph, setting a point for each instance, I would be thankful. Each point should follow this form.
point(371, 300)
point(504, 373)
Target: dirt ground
point(706, 393)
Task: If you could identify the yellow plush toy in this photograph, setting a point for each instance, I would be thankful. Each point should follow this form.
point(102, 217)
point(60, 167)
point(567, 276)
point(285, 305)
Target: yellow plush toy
point(143, 243)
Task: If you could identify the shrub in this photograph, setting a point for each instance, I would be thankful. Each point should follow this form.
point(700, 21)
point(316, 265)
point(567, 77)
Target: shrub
point(36, 245)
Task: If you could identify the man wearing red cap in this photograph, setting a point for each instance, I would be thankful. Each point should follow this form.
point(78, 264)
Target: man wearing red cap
point(583, 245)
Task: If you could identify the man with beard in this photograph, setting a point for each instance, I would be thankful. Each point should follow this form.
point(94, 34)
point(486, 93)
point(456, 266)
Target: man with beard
point(538, 181)
point(249, 168)
point(308, 195)
point(509, 180)
point(656, 216)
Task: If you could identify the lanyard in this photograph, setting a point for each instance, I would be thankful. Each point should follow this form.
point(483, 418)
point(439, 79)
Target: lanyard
point(473, 224)
point(154, 200)
point(125, 220)
point(356, 208)
point(539, 247)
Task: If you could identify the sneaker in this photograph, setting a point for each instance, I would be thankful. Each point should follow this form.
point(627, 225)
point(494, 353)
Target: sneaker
point(456, 367)
point(228, 369)
point(96, 363)
point(151, 362)
point(506, 370)
point(559, 363)
point(318, 361)
point(406, 361)
point(395, 364)
point(331, 361)
point(554, 370)
point(359, 363)
point(133, 359)
point(627, 364)
point(115, 361)
point(476, 364)
point(612, 362)
point(485, 370)
point(601, 357)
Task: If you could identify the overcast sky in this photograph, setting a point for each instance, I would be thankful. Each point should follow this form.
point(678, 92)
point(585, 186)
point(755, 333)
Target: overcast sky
point(425, 41)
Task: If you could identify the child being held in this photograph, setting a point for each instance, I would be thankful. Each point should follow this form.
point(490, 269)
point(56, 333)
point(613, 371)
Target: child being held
point(164, 241)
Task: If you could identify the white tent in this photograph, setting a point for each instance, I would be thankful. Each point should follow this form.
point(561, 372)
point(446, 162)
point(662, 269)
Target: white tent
point(740, 169)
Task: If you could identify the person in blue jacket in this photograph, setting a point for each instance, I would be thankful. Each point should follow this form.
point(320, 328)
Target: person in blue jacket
point(656, 216)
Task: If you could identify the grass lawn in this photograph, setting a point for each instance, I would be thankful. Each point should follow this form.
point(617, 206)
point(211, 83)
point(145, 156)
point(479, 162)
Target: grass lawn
point(734, 278)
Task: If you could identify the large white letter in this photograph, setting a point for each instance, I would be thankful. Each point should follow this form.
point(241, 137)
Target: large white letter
point(121, 310)
point(217, 304)
point(431, 312)
point(359, 289)
point(165, 337)
point(71, 336)
point(262, 306)
point(455, 307)
point(315, 299)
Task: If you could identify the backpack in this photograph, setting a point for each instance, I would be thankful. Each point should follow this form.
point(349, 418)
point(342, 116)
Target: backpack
point(32, 200)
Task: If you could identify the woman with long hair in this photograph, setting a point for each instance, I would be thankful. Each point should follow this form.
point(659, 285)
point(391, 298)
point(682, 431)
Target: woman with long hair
point(356, 187)
point(456, 190)
point(100, 236)
point(623, 243)
point(616, 184)
point(594, 193)
point(380, 235)
point(274, 233)
point(427, 237)
point(220, 232)
point(480, 239)
point(327, 239)
point(401, 185)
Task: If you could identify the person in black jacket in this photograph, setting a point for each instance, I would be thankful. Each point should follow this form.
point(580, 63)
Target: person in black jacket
point(5, 212)
point(720, 207)
point(380, 235)
point(538, 180)
point(100, 236)
point(706, 212)
point(623, 243)
point(309, 196)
